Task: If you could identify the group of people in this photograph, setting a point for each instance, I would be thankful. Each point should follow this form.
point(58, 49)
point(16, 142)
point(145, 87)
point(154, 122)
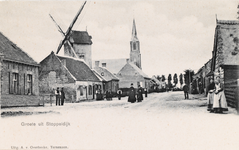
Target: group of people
point(108, 95)
point(135, 96)
point(60, 96)
point(216, 97)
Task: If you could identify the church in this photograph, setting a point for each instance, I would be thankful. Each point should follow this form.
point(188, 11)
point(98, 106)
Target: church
point(129, 70)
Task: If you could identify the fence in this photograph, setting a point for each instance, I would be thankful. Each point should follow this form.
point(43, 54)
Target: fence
point(231, 93)
point(51, 99)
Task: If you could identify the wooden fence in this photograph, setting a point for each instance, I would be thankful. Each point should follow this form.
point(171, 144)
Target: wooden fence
point(231, 93)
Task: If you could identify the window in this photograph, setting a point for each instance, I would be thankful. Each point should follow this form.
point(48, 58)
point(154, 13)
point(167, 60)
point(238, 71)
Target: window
point(29, 84)
point(81, 91)
point(15, 83)
point(134, 46)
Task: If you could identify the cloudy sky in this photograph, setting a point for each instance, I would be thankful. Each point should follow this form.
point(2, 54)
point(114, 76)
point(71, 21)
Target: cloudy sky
point(174, 34)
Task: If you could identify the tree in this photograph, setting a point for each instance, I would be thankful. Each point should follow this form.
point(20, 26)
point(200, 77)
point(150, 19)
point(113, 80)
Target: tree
point(169, 81)
point(181, 79)
point(163, 78)
point(175, 79)
point(187, 77)
point(158, 77)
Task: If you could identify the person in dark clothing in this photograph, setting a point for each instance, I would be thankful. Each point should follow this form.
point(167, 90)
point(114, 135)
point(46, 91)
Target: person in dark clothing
point(58, 96)
point(62, 96)
point(185, 90)
point(146, 92)
point(119, 92)
point(210, 95)
point(107, 95)
point(131, 97)
point(140, 94)
point(110, 95)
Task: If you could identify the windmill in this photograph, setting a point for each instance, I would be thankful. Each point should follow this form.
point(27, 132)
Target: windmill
point(66, 34)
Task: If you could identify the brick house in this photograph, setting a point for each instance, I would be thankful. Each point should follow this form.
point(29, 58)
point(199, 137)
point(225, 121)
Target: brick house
point(19, 76)
point(110, 81)
point(130, 73)
point(71, 73)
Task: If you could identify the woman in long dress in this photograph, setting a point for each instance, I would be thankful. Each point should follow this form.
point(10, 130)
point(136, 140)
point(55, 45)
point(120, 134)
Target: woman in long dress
point(210, 95)
point(219, 102)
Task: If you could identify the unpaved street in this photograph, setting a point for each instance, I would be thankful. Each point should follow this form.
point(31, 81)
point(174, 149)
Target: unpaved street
point(161, 121)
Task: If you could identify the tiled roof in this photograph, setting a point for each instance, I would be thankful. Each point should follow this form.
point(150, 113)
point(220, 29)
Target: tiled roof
point(228, 22)
point(12, 52)
point(113, 65)
point(79, 69)
point(80, 37)
point(106, 74)
point(138, 70)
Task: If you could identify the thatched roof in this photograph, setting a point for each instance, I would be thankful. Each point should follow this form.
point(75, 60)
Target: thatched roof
point(13, 53)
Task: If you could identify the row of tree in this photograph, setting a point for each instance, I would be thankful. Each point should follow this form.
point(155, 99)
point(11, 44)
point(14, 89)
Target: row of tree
point(188, 74)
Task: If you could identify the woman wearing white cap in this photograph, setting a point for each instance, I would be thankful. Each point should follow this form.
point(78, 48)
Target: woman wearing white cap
point(219, 102)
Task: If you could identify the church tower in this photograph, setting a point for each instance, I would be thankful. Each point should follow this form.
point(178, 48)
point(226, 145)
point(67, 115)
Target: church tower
point(135, 56)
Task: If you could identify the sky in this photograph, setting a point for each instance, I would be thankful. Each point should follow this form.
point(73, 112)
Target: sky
point(174, 35)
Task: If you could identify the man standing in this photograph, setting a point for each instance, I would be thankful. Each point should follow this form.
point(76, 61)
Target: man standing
point(58, 96)
point(146, 92)
point(186, 89)
point(62, 96)
point(140, 94)
point(119, 92)
point(131, 97)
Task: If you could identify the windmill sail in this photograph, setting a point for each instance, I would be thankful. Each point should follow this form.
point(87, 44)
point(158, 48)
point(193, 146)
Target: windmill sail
point(70, 28)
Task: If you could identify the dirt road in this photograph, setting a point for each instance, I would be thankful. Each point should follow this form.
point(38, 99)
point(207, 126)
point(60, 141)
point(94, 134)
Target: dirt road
point(161, 121)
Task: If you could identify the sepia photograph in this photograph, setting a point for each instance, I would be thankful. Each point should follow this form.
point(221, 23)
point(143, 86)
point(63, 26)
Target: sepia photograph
point(119, 75)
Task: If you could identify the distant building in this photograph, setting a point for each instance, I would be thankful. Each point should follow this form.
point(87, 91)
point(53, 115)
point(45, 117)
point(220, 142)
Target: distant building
point(81, 43)
point(110, 81)
point(71, 73)
point(19, 76)
point(130, 73)
point(113, 65)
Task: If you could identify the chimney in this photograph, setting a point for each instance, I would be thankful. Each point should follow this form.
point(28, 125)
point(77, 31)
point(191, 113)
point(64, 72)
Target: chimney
point(127, 60)
point(104, 65)
point(97, 63)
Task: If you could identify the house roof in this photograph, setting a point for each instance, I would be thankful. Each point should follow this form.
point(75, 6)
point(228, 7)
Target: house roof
point(79, 69)
point(105, 74)
point(12, 52)
point(125, 71)
point(225, 43)
point(113, 65)
point(138, 70)
point(98, 75)
point(155, 80)
point(227, 22)
point(80, 37)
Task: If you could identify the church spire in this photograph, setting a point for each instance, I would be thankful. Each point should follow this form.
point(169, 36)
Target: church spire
point(134, 32)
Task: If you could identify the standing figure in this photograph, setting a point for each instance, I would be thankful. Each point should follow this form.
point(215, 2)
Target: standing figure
point(219, 99)
point(131, 97)
point(185, 90)
point(107, 95)
point(110, 95)
point(210, 95)
point(146, 92)
point(140, 94)
point(62, 96)
point(58, 96)
point(119, 92)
